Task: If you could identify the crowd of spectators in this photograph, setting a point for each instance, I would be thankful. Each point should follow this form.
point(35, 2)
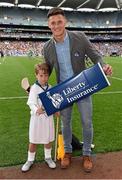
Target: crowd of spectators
point(94, 36)
point(24, 34)
point(109, 49)
point(23, 48)
point(105, 36)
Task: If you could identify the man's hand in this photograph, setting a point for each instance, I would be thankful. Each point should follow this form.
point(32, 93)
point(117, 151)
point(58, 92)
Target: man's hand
point(107, 69)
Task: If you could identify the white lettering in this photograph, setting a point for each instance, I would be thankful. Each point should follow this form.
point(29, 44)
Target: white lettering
point(70, 90)
point(78, 96)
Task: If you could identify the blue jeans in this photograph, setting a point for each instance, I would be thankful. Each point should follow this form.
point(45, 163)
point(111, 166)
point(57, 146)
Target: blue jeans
point(85, 109)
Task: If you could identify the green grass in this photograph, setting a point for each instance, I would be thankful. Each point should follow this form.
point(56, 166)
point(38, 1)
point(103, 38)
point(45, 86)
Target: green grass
point(14, 113)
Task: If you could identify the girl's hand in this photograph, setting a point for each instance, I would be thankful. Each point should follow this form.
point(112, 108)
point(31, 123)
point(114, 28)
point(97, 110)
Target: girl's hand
point(57, 114)
point(39, 111)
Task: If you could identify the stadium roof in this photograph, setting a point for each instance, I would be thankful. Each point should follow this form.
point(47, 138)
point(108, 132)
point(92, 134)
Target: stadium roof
point(73, 4)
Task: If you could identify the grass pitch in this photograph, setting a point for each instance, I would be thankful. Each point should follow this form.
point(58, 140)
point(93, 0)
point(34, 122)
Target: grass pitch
point(14, 113)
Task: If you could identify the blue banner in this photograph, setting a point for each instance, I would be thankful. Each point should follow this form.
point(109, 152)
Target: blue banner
point(76, 88)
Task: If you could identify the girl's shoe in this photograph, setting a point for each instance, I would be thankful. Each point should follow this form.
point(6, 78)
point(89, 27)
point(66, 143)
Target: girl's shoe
point(50, 163)
point(27, 166)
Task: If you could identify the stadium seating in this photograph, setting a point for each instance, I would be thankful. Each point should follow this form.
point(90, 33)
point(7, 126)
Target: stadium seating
point(76, 19)
point(18, 26)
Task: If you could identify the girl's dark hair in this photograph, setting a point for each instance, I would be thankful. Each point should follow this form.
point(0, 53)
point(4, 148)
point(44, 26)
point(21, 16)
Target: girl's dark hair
point(55, 11)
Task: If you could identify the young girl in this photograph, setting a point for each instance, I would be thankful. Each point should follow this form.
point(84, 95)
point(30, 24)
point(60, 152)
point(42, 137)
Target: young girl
point(41, 130)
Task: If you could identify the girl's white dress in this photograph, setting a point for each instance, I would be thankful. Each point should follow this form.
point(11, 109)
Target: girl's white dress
point(41, 129)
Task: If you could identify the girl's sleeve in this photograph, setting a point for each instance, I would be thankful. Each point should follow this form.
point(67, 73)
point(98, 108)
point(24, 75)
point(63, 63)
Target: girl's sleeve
point(32, 100)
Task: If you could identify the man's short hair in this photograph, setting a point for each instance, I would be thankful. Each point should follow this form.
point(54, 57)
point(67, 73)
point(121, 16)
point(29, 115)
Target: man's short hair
point(55, 11)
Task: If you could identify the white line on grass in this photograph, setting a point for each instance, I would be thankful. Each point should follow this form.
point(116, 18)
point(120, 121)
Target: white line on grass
point(25, 97)
point(18, 97)
point(109, 92)
point(117, 78)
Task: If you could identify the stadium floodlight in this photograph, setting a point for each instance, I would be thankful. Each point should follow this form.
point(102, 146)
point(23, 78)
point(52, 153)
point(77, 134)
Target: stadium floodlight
point(4, 4)
point(67, 9)
point(86, 10)
point(45, 7)
point(26, 6)
point(108, 9)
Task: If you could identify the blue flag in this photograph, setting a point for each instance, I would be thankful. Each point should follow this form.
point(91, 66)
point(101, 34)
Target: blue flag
point(74, 89)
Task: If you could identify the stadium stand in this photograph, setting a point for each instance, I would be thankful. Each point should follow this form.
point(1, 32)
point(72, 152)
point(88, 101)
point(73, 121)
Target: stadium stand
point(28, 27)
point(20, 16)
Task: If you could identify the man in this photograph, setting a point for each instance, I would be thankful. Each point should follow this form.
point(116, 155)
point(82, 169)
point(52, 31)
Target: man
point(66, 53)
